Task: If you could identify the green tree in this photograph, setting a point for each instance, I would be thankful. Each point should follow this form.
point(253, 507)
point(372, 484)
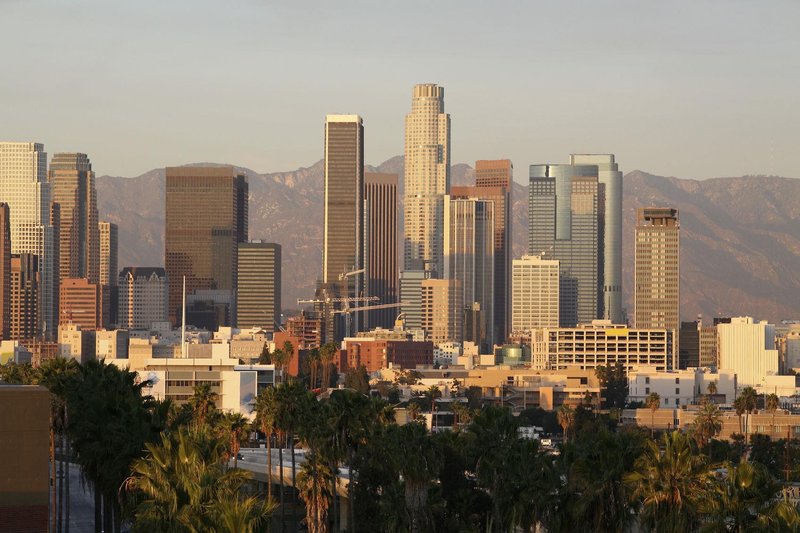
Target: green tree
point(418, 470)
point(669, 484)
point(707, 424)
point(357, 379)
point(566, 419)
point(314, 485)
point(653, 402)
point(614, 384)
point(735, 502)
point(265, 358)
point(266, 412)
point(292, 400)
point(712, 388)
point(326, 354)
point(203, 402)
point(182, 485)
point(747, 402)
point(772, 402)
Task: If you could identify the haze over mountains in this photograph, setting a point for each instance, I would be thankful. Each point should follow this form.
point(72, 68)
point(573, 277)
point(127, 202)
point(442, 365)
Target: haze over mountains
point(740, 237)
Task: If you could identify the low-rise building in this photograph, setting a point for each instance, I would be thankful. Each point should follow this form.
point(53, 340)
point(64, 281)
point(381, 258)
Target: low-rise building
point(375, 354)
point(679, 387)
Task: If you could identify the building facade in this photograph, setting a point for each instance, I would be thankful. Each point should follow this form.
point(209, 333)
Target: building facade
point(25, 291)
point(381, 246)
point(411, 296)
point(24, 187)
point(82, 303)
point(657, 269)
point(375, 354)
point(5, 273)
point(143, 293)
point(610, 178)
point(109, 254)
point(748, 348)
point(469, 258)
point(602, 343)
point(534, 296)
point(206, 219)
point(566, 225)
point(72, 184)
point(258, 301)
point(442, 306)
point(426, 178)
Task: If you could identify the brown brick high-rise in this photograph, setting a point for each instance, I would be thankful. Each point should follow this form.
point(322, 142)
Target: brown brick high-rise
point(381, 252)
point(5, 271)
point(206, 218)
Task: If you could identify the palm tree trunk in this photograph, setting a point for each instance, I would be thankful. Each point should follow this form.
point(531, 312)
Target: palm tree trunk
point(117, 517)
point(98, 510)
point(53, 471)
point(294, 484)
point(351, 507)
point(66, 503)
point(280, 488)
point(108, 518)
point(269, 466)
point(60, 524)
point(335, 471)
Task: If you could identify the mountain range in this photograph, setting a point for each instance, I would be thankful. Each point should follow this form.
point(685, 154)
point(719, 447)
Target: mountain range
point(740, 236)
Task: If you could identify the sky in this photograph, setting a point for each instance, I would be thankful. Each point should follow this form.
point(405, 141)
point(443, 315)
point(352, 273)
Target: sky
point(694, 89)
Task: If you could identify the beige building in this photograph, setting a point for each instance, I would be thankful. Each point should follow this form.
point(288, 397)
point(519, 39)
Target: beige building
point(748, 348)
point(602, 343)
point(657, 269)
point(143, 293)
point(427, 178)
point(441, 310)
point(111, 344)
point(258, 297)
point(75, 343)
point(534, 294)
point(109, 250)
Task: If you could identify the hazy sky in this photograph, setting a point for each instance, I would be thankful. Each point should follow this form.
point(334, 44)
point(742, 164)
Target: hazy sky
point(691, 89)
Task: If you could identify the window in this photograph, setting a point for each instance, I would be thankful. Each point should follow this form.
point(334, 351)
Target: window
point(647, 390)
point(677, 390)
point(647, 381)
point(677, 381)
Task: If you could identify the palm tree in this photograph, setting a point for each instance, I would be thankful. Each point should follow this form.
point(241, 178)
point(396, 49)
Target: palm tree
point(737, 500)
point(183, 485)
point(326, 354)
point(747, 400)
point(707, 423)
point(292, 401)
point(313, 361)
point(266, 409)
point(712, 388)
point(233, 427)
point(418, 469)
point(653, 402)
point(566, 419)
point(670, 484)
point(203, 402)
point(314, 485)
point(772, 402)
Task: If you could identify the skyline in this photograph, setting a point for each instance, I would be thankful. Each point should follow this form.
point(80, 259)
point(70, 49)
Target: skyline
point(702, 93)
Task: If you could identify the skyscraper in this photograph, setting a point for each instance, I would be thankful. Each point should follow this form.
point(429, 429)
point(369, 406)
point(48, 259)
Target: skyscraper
point(206, 219)
point(566, 224)
point(469, 258)
point(24, 187)
point(258, 302)
point(442, 310)
point(427, 178)
point(381, 245)
point(610, 178)
point(82, 303)
point(342, 249)
point(657, 269)
point(534, 298)
point(5, 273)
point(109, 250)
point(72, 185)
point(493, 180)
point(109, 271)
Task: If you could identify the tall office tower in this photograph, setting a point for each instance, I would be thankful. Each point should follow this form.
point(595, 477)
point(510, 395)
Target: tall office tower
point(258, 301)
point(469, 258)
point(25, 292)
point(72, 187)
point(109, 250)
point(534, 295)
point(411, 296)
point(5, 272)
point(82, 303)
point(442, 310)
point(381, 246)
point(656, 269)
point(610, 177)
point(109, 271)
point(142, 297)
point(566, 224)
point(493, 180)
point(427, 178)
point(206, 219)
point(689, 347)
point(24, 187)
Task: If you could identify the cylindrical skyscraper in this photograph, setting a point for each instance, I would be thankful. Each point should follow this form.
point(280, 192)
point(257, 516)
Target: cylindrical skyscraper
point(427, 178)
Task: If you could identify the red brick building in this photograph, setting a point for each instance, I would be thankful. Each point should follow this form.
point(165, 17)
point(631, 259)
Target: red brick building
point(375, 354)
